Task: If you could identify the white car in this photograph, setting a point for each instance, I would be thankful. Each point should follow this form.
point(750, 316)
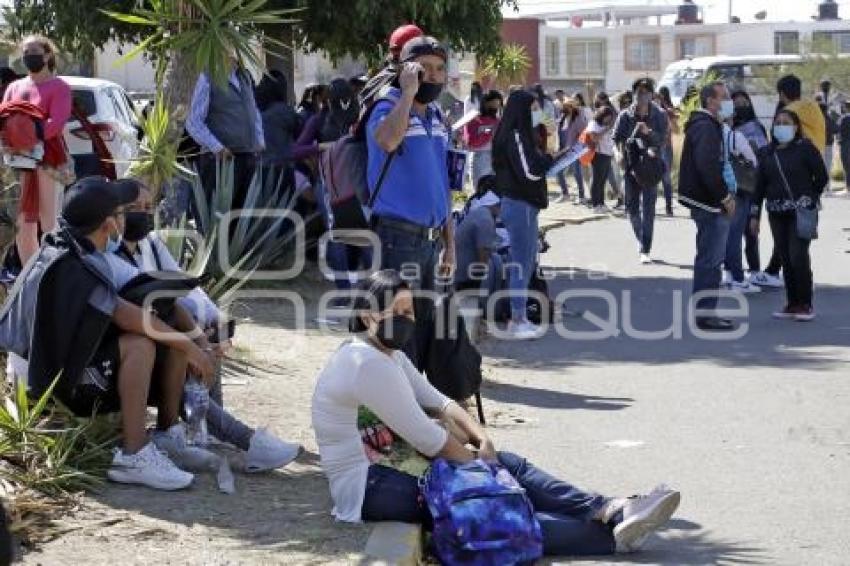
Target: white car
point(112, 113)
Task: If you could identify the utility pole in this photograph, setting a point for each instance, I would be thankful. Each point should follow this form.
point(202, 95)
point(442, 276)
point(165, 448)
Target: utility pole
point(730, 11)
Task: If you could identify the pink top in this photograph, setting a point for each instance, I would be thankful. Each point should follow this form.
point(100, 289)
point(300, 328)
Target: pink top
point(53, 96)
point(478, 134)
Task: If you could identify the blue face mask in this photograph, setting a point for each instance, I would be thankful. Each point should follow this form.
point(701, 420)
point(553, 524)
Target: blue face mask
point(113, 245)
point(783, 133)
point(536, 118)
point(727, 109)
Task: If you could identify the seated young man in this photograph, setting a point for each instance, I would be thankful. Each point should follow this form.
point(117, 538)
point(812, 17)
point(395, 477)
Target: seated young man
point(371, 371)
point(64, 315)
point(143, 250)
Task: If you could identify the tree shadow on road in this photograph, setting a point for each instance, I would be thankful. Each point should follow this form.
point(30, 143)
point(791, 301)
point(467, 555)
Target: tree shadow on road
point(648, 304)
point(548, 399)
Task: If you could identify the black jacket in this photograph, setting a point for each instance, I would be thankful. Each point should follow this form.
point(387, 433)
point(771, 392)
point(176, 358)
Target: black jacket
point(520, 169)
point(701, 183)
point(804, 170)
point(66, 329)
point(657, 121)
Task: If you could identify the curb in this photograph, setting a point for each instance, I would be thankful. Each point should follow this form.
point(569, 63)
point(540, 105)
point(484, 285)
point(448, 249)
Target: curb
point(394, 543)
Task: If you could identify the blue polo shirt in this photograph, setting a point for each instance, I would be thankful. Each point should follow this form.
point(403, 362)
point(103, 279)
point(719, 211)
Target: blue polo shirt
point(416, 187)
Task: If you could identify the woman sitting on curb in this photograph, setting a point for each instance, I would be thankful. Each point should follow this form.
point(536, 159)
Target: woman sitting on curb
point(371, 371)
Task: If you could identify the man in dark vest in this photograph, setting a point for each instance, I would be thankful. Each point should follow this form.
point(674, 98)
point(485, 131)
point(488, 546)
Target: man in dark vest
point(225, 122)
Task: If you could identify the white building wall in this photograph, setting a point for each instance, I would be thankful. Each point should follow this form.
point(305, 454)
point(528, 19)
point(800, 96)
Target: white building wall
point(136, 75)
point(729, 39)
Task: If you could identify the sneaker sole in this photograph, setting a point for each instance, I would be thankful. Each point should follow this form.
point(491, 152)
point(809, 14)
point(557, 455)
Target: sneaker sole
point(804, 317)
point(783, 316)
point(258, 468)
point(118, 476)
point(640, 526)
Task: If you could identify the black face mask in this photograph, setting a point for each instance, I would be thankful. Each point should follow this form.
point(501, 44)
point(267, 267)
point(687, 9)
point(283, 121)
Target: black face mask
point(396, 331)
point(428, 92)
point(34, 62)
point(137, 225)
point(493, 112)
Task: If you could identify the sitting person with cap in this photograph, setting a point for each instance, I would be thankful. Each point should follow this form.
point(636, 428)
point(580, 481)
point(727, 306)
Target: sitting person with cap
point(65, 316)
point(476, 242)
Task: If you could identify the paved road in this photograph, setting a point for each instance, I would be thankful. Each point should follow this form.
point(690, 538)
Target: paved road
point(755, 432)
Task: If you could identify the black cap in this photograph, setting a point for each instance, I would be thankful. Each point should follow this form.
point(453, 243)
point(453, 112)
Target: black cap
point(91, 200)
point(419, 46)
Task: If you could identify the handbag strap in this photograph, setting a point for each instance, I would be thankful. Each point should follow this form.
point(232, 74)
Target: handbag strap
point(784, 179)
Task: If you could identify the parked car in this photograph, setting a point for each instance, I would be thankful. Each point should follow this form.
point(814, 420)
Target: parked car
point(112, 113)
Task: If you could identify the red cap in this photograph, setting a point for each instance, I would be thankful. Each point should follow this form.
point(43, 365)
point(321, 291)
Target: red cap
point(404, 34)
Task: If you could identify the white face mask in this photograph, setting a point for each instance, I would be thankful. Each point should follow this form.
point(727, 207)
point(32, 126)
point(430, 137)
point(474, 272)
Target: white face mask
point(536, 118)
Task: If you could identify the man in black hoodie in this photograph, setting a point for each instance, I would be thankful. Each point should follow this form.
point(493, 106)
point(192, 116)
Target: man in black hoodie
point(702, 189)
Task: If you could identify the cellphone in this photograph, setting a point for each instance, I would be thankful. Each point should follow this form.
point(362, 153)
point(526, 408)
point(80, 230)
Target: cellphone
point(230, 331)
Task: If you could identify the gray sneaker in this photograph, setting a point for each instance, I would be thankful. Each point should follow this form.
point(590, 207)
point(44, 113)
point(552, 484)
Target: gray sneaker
point(643, 514)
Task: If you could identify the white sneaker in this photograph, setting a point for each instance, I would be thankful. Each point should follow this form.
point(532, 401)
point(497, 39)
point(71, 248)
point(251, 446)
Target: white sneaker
point(148, 467)
point(744, 287)
point(562, 199)
point(268, 452)
point(645, 259)
point(644, 514)
point(185, 456)
point(524, 331)
point(726, 279)
point(601, 209)
point(763, 279)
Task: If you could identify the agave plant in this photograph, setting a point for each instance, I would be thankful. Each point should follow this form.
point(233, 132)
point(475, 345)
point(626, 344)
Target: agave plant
point(254, 242)
point(47, 449)
point(507, 66)
point(213, 30)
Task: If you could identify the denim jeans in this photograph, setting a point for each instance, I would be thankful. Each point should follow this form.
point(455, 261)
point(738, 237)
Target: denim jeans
point(640, 208)
point(667, 179)
point(520, 219)
point(738, 225)
point(575, 169)
point(564, 511)
point(345, 258)
point(413, 256)
point(796, 260)
point(712, 233)
point(844, 150)
point(482, 164)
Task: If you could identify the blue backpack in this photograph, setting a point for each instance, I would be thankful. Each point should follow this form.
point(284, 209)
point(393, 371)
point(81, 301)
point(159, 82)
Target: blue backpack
point(482, 516)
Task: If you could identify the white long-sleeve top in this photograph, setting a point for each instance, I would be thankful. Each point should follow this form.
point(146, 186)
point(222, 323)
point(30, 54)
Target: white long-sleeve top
point(358, 374)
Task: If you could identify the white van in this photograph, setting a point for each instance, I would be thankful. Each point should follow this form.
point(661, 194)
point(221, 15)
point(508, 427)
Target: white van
point(755, 74)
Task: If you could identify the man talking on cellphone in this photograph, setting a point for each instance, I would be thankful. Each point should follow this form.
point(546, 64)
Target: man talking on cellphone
point(408, 146)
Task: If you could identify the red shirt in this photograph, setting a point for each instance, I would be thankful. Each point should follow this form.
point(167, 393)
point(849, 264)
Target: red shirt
point(478, 134)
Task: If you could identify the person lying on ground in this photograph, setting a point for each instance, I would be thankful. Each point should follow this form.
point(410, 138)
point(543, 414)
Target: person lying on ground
point(371, 371)
point(144, 251)
point(65, 317)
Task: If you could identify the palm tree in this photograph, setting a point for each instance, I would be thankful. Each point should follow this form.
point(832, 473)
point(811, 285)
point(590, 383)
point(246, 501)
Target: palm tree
point(508, 66)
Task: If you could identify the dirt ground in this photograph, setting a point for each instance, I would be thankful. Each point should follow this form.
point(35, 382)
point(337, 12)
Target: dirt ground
point(277, 518)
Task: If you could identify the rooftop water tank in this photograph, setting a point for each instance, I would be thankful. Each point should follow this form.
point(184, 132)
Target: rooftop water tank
point(828, 10)
point(688, 13)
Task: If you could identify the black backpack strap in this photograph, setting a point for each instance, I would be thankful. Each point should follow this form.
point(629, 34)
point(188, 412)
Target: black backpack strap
point(374, 196)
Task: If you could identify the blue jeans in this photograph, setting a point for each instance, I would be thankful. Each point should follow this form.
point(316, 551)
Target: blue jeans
point(520, 219)
point(712, 233)
point(344, 258)
point(734, 261)
point(564, 511)
point(413, 256)
point(640, 207)
point(575, 169)
point(667, 179)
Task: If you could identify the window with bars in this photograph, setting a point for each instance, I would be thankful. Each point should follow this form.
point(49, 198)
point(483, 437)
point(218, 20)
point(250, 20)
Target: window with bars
point(695, 46)
point(786, 43)
point(839, 41)
point(586, 57)
point(643, 53)
point(553, 56)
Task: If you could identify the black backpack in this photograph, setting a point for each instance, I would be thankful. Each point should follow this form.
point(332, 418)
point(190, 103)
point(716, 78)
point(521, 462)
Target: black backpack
point(646, 169)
